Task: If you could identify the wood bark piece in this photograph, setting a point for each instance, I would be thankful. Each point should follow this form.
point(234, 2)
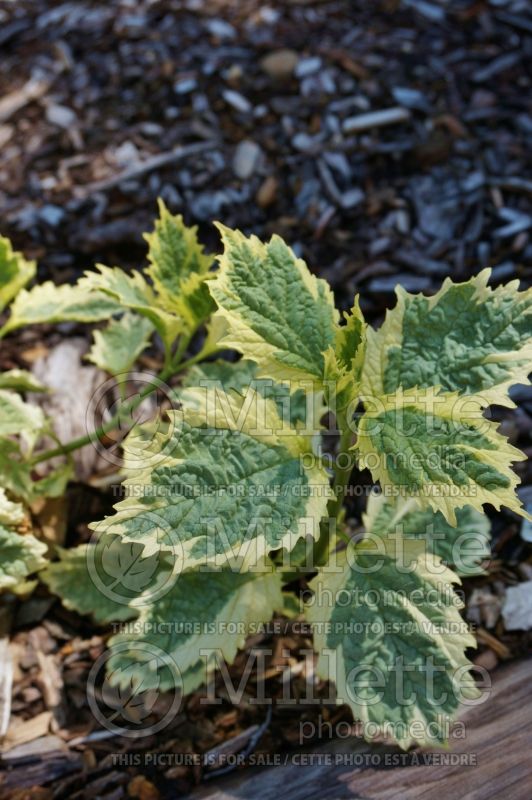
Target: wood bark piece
point(375, 119)
point(498, 738)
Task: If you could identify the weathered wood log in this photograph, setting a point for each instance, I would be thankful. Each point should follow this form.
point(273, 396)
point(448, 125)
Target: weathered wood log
point(495, 756)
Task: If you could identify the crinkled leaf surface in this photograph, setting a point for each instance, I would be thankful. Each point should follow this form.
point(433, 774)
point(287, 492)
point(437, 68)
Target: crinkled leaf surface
point(50, 303)
point(241, 376)
point(133, 292)
point(467, 338)
point(178, 267)
point(20, 555)
point(439, 449)
point(231, 485)
point(463, 547)
point(277, 313)
point(15, 272)
point(215, 611)
point(378, 631)
point(117, 346)
point(17, 416)
point(10, 513)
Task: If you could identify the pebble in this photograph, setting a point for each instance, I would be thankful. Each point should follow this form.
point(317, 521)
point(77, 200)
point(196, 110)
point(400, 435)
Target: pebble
point(51, 215)
point(246, 159)
point(410, 98)
point(61, 116)
point(267, 192)
point(185, 85)
point(307, 66)
point(352, 198)
point(220, 29)
point(304, 143)
point(237, 101)
point(280, 64)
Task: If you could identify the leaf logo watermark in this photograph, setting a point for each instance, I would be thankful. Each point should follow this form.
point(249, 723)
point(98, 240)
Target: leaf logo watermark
point(126, 683)
point(127, 423)
point(134, 573)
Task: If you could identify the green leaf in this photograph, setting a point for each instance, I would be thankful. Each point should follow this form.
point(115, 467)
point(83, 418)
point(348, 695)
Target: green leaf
point(117, 347)
point(20, 555)
point(229, 484)
point(50, 303)
point(54, 483)
point(438, 448)
point(467, 338)
point(15, 473)
point(277, 313)
point(10, 513)
point(463, 547)
point(17, 416)
point(344, 360)
point(240, 377)
point(393, 642)
point(15, 272)
point(70, 579)
point(133, 292)
point(178, 268)
point(21, 381)
point(215, 611)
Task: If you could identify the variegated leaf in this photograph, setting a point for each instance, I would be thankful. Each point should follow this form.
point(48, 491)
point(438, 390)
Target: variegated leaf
point(463, 547)
point(178, 268)
point(117, 346)
point(393, 643)
point(20, 556)
point(209, 611)
point(276, 312)
point(467, 338)
point(438, 448)
point(50, 303)
point(15, 272)
point(131, 291)
point(230, 485)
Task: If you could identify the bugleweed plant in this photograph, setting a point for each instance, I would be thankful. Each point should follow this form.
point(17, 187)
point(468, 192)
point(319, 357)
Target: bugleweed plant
point(234, 491)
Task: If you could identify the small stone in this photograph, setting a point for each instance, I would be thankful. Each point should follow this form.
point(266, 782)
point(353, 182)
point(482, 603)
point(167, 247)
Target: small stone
point(126, 154)
point(246, 159)
point(61, 116)
point(307, 66)
point(280, 64)
point(220, 29)
point(237, 101)
point(233, 75)
point(410, 98)
point(185, 85)
point(352, 198)
point(151, 129)
point(304, 143)
point(51, 215)
point(267, 192)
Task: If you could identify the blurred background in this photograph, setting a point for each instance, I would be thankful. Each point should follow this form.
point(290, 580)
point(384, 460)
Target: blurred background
point(386, 141)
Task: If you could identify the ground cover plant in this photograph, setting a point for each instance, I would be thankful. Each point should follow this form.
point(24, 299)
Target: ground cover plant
point(232, 492)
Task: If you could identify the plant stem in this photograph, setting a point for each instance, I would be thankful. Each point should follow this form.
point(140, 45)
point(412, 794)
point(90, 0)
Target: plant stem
point(191, 361)
point(113, 423)
point(342, 473)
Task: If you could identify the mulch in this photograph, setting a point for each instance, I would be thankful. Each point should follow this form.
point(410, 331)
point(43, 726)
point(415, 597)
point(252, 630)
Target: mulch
point(387, 142)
